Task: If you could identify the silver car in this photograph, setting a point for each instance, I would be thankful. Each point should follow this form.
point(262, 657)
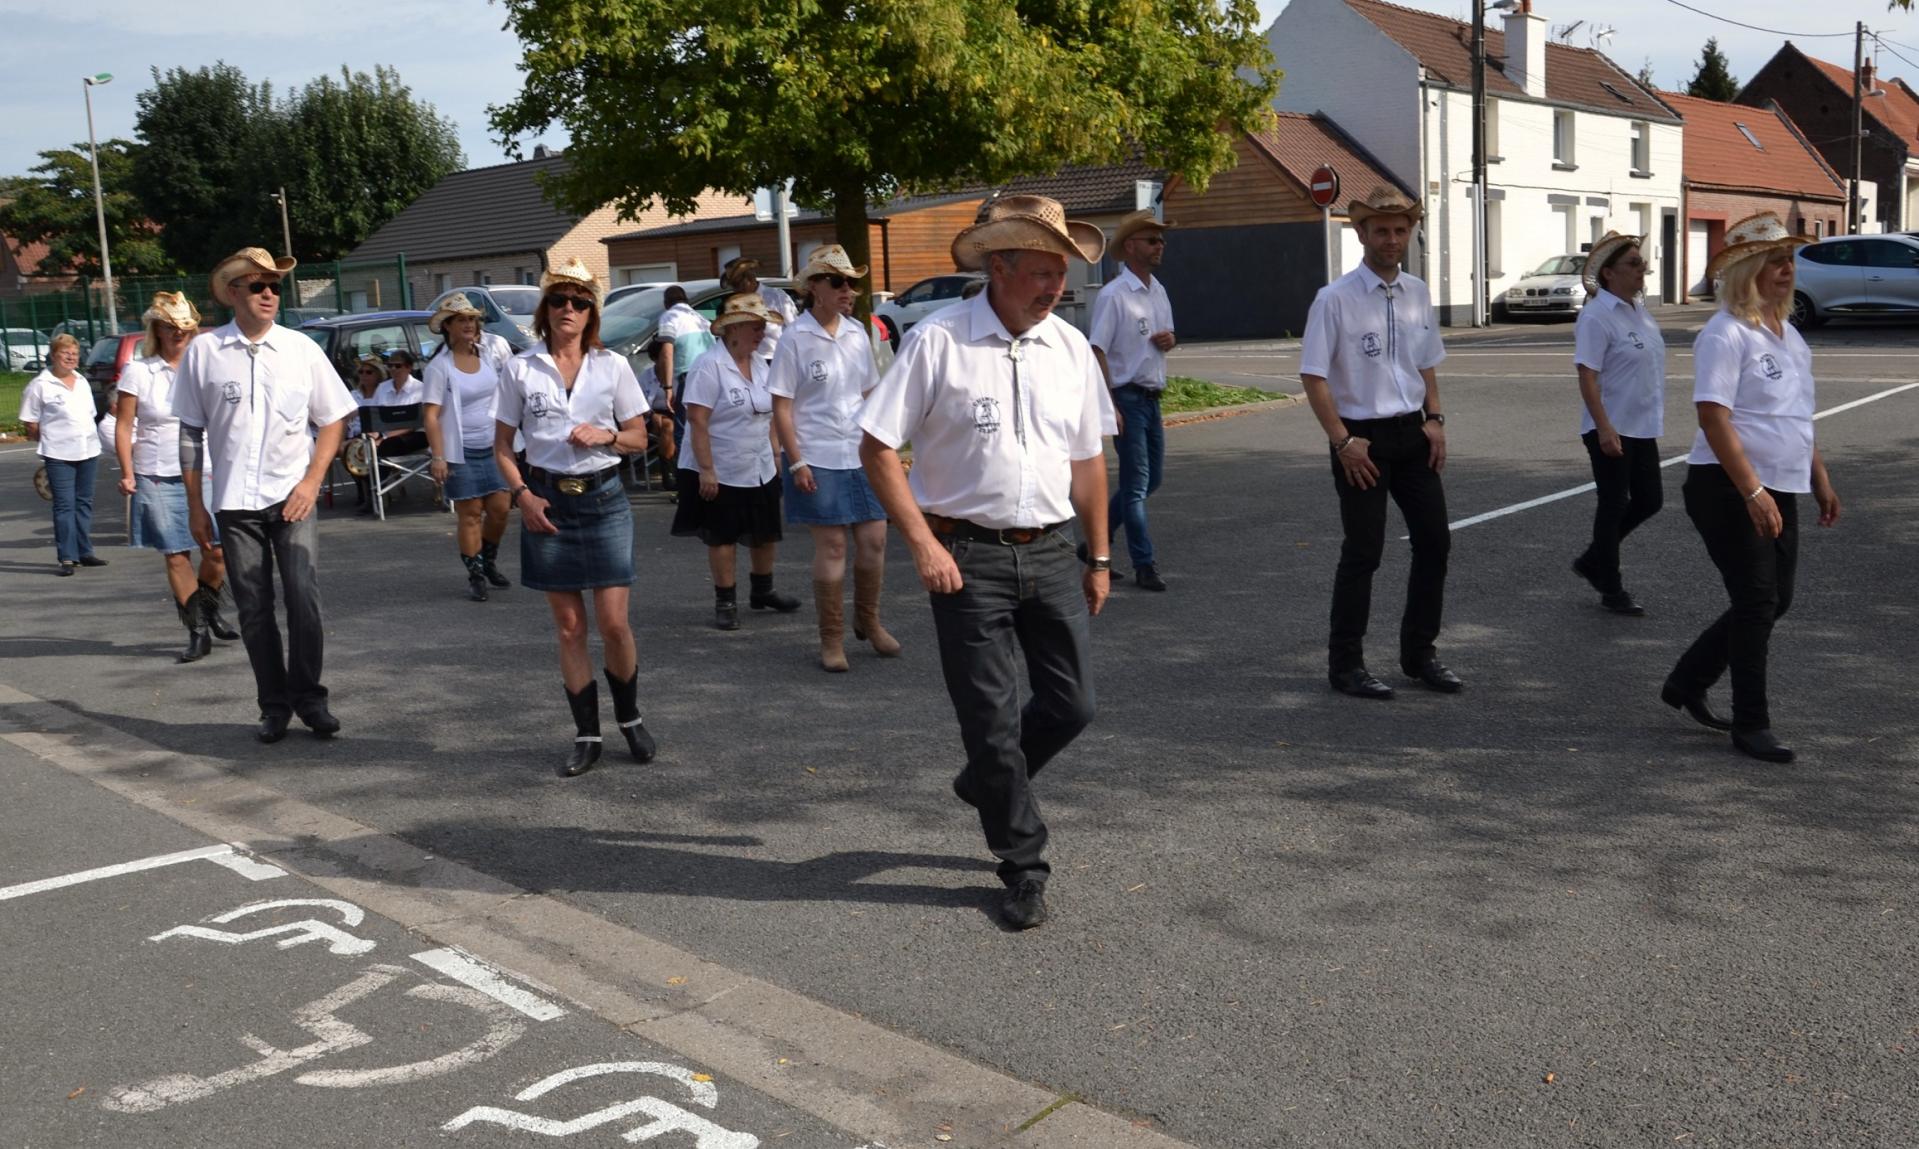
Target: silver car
point(1552, 288)
point(1855, 275)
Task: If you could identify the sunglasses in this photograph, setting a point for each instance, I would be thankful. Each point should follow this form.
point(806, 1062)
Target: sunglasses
point(838, 282)
point(556, 300)
point(261, 285)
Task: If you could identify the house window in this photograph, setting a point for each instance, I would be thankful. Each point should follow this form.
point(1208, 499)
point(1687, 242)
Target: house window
point(1563, 139)
point(1568, 238)
point(1492, 130)
point(1495, 239)
point(519, 275)
point(1641, 147)
point(1642, 222)
point(725, 255)
point(1597, 226)
point(1750, 138)
point(442, 282)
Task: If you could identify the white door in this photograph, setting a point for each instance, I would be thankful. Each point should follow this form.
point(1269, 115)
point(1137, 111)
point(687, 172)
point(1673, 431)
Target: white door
point(1696, 257)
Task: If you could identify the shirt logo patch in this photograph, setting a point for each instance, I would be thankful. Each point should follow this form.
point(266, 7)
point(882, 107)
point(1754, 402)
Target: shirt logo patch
point(1770, 366)
point(986, 415)
point(736, 396)
point(1370, 344)
point(817, 370)
point(1145, 328)
point(1637, 342)
point(538, 404)
point(230, 392)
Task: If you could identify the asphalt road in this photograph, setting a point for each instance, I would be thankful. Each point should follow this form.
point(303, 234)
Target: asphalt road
point(1547, 911)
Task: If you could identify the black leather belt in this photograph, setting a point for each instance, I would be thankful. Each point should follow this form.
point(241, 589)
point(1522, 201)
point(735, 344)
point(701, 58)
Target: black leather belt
point(1006, 537)
point(1413, 417)
point(570, 484)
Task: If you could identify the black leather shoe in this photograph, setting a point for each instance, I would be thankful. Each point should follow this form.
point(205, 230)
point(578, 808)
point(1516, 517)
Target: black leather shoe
point(1622, 603)
point(321, 721)
point(1695, 708)
point(92, 561)
point(67, 569)
point(273, 727)
point(1360, 684)
point(726, 616)
point(1025, 905)
point(1148, 578)
point(964, 791)
point(1584, 570)
point(1760, 744)
point(1434, 676)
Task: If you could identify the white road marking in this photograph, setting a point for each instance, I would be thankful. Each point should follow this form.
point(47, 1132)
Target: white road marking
point(667, 1117)
point(464, 967)
point(256, 871)
point(296, 933)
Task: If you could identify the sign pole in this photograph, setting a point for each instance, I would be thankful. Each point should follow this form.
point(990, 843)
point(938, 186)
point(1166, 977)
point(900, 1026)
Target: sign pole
point(1323, 186)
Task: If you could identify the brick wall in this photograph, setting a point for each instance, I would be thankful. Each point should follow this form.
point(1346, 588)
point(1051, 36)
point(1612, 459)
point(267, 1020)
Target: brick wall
point(1716, 209)
point(1824, 116)
point(424, 277)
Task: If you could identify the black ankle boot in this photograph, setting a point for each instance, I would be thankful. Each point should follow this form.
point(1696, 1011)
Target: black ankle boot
point(726, 607)
point(199, 642)
point(626, 712)
point(488, 553)
point(210, 608)
point(764, 597)
point(586, 721)
point(475, 577)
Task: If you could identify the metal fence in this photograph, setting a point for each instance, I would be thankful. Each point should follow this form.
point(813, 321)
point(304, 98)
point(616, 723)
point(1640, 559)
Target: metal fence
point(314, 290)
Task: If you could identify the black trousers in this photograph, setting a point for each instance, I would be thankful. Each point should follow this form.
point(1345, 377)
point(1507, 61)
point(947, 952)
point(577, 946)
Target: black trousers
point(286, 679)
point(1630, 492)
point(1401, 452)
point(1759, 575)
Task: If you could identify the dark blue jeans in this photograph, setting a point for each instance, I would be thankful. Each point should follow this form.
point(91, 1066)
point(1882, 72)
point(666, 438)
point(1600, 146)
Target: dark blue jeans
point(286, 679)
point(72, 484)
point(1142, 463)
point(1014, 601)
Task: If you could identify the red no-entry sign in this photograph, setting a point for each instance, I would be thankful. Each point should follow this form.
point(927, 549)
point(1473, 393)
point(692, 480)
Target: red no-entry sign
point(1324, 185)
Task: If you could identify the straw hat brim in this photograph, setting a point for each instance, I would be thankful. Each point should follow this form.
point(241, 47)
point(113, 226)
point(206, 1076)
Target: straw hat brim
point(813, 269)
point(1739, 252)
point(1080, 240)
point(1600, 253)
point(240, 263)
point(1132, 227)
point(1360, 211)
point(437, 324)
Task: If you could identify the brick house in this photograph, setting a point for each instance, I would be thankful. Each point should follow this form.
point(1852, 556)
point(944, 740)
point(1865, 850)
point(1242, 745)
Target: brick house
point(1741, 160)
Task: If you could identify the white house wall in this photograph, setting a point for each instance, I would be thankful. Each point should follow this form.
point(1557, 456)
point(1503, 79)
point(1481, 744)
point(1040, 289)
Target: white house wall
point(1338, 62)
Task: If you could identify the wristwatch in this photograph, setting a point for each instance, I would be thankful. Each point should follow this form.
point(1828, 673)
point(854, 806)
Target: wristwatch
point(1435, 417)
point(513, 500)
point(1100, 562)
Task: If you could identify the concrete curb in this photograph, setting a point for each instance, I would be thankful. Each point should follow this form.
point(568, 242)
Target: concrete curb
point(868, 1080)
point(1282, 401)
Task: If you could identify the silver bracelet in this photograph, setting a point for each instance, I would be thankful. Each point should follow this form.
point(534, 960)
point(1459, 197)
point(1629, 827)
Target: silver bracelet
point(1756, 492)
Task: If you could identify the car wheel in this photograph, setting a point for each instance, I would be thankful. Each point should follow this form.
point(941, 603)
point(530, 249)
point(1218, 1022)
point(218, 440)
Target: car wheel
point(1804, 314)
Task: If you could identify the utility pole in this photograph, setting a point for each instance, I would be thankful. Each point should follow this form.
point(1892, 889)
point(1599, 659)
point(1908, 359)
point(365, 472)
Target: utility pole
point(286, 229)
point(1858, 119)
point(1479, 164)
point(99, 202)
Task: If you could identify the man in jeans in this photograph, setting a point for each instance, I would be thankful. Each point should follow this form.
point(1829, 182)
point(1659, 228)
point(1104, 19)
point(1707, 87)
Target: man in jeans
point(1005, 407)
point(1369, 361)
point(1132, 332)
point(246, 396)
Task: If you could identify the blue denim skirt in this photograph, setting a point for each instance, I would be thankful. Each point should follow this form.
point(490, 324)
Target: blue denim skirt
point(594, 547)
point(843, 497)
point(476, 478)
point(160, 519)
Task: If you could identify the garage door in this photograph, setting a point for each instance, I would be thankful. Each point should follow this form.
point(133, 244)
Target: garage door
point(1696, 257)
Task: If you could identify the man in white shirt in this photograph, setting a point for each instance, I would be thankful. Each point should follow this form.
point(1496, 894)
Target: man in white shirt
point(1368, 361)
point(246, 396)
point(1132, 332)
point(1005, 407)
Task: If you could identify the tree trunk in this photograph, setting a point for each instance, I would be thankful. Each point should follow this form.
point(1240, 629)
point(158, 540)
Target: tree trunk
point(849, 220)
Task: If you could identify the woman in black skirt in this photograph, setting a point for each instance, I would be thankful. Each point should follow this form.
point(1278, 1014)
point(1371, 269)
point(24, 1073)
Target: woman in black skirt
point(734, 495)
point(580, 409)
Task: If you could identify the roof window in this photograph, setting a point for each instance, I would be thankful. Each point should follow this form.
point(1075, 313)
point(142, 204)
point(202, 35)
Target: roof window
point(1750, 138)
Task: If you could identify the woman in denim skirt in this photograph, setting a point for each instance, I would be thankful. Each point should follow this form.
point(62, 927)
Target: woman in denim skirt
point(462, 394)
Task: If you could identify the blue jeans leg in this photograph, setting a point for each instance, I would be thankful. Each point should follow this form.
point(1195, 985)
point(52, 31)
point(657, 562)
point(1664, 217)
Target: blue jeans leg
point(72, 485)
point(1142, 462)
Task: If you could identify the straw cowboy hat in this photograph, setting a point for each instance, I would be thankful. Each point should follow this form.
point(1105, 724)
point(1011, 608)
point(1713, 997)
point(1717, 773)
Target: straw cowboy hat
point(744, 308)
point(1133, 224)
point(247, 261)
point(1384, 201)
point(738, 269)
point(453, 306)
point(831, 260)
point(1602, 251)
point(573, 273)
point(171, 308)
point(1759, 234)
point(1026, 223)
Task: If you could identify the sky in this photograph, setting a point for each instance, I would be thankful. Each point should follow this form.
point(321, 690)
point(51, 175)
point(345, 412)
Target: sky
point(456, 55)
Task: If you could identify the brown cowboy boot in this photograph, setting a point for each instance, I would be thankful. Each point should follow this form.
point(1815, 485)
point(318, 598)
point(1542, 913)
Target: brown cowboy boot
point(829, 597)
point(867, 582)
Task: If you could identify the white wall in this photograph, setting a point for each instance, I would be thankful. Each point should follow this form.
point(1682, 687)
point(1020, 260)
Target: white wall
point(1339, 63)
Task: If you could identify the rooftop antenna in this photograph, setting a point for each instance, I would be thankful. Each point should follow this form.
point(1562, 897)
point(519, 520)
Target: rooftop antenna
point(1564, 32)
point(1601, 34)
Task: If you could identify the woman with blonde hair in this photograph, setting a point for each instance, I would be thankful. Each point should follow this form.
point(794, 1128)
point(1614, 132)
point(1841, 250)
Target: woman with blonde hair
point(462, 393)
point(57, 409)
point(147, 441)
point(1754, 455)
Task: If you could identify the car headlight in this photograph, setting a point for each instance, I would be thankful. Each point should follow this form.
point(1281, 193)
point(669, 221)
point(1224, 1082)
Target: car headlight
point(1562, 291)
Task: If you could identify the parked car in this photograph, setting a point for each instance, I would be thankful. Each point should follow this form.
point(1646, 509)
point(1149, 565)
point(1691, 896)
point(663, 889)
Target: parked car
point(1855, 275)
point(508, 307)
point(1552, 288)
point(627, 324)
point(346, 338)
point(922, 299)
point(626, 289)
point(25, 348)
point(103, 364)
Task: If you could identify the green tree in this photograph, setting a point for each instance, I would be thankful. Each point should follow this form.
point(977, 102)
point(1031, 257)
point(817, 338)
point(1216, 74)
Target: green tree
point(55, 206)
point(1713, 80)
point(860, 100)
point(206, 134)
point(1645, 76)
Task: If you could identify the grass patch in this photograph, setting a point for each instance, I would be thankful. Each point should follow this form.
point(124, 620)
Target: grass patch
point(12, 383)
point(1187, 394)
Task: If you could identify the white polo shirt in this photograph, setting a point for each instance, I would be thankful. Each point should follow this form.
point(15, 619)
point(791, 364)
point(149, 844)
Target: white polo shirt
point(1620, 340)
point(996, 424)
point(156, 429)
point(741, 428)
point(827, 377)
point(1766, 380)
point(66, 417)
point(534, 398)
point(1370, 340)
point(388, 394)
point(467, 403)
point(1126, 316)
point(257, 403)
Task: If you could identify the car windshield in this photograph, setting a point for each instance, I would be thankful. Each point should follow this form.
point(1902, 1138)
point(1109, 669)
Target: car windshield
point(516, 301)
point(105, 351)
point(631, 317)
point(1562, 265)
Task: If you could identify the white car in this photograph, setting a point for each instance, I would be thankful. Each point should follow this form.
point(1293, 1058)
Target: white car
point(922, 299)
point(1553, 288)
point(24, 345)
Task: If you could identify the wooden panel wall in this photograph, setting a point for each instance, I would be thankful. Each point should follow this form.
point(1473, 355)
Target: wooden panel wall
point(1255, 192)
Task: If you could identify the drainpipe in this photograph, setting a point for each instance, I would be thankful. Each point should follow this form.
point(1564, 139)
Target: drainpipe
point(1420, 191)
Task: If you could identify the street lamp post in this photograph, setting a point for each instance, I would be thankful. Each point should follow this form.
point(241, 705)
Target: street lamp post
point(87, 84)
point(286, 229)
point(1482, 295)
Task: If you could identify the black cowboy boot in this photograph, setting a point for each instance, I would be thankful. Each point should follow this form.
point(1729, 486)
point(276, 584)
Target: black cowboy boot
point(210, 604)
point(192, 616)
point(726, 607)
point(586, 721)
point(626, 712)
point(764, 597)
point(488, 553)
point(475, 577)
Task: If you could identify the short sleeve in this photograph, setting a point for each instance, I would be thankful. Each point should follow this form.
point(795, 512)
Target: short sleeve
point(899, 402)
point(330, 402)
point(1433, 351)
point(187, 406)
point(1316, 347)
point(437, 380)
point(30, 402)
point(1715, 364)
point(510, 400)
point(784, 376)
point(629, 402)
point(1105, 317)
point(1095, 415)
point(1589, 340)
point(702, 385)
point(134, 374)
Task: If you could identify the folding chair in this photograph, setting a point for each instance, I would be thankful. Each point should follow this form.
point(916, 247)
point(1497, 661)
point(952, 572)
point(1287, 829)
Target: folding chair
point(386, 472)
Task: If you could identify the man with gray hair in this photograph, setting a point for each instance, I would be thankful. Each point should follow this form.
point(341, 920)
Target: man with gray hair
point(1005, 407)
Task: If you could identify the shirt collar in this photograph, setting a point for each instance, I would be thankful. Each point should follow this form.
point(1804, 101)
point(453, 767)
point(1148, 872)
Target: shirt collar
point(811, 326)
point(1371, 278)
point(229, 335)
point(985, 323)
point(1128, 280)
point(1608, 296)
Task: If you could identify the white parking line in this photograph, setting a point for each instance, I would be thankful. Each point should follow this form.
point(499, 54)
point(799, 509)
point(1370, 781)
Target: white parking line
point(463, 967)
point(229, 856)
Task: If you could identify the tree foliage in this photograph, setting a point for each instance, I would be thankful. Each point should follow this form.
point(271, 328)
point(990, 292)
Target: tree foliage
point(1713, 80)
point(55, 206)
point(860, 100)
point(201, 171)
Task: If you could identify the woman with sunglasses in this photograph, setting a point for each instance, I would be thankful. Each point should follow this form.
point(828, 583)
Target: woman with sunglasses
point(580, 409)
point(57, 410)
point(147, 441)
point(462, 392)
point(369, 378)
point(822, 370)
point(734, 496)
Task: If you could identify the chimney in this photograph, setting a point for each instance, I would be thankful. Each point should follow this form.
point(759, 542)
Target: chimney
point(539, 151)
point(1866, 77)
point(1526, 49)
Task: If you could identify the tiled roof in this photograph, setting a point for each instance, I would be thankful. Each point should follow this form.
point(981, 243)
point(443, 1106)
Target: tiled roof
point(1090, 190)
point(1576, 76)
point(1897, 111)
point(748, 220)
point(1719, 155)
point(1299, 143)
